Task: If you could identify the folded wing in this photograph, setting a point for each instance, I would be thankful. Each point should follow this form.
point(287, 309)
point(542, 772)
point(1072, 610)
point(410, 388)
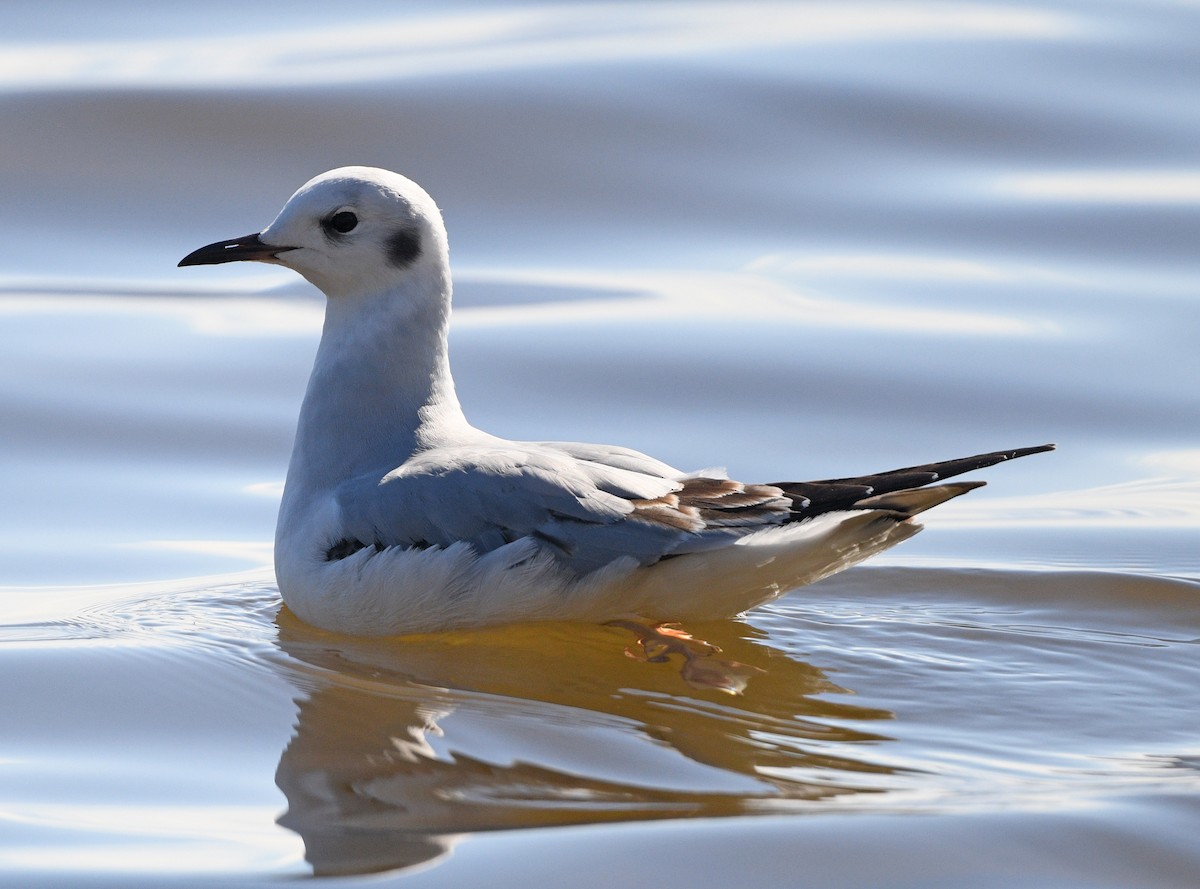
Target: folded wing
point(591, 504)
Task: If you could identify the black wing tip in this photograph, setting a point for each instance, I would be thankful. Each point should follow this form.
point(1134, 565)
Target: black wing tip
point(1036, 449)
point(950, 468)
point(831, 495)
point(980, 461)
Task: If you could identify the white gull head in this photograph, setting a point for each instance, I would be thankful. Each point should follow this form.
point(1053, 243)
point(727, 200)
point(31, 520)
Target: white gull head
point(398, 516)
point(358, 231)
point(352, 232)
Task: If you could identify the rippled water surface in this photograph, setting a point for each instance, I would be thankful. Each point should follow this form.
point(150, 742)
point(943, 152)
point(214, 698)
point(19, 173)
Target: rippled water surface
point(802, 240)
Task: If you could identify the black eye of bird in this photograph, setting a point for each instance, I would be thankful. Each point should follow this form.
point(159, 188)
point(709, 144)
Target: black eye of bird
point(342, 222)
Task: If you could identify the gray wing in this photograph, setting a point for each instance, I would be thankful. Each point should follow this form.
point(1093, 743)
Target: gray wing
point(589, 504)
point(613, 456)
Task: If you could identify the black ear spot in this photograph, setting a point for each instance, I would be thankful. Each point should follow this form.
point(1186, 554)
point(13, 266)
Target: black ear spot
point(403, 247)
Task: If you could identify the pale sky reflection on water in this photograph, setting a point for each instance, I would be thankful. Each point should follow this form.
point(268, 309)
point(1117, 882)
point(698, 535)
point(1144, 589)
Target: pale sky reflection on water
point(1133, 187)
point(529, 36)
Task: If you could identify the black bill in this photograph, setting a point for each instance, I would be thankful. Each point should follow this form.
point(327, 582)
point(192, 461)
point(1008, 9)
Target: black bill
point(250, 247)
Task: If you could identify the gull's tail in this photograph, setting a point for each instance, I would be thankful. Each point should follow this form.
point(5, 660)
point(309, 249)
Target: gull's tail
point(852, 519)
point(898, 490)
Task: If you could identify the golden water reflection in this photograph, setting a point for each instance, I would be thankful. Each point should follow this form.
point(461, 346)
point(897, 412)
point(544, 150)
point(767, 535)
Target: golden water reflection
point(403, 745)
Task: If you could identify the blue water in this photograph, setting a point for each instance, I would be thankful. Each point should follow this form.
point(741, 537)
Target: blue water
point(795, 240)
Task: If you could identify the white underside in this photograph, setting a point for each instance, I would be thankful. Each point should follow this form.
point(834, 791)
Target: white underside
point(400, 591)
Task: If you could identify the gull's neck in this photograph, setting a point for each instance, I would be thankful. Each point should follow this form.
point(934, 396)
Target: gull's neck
point(381, 387)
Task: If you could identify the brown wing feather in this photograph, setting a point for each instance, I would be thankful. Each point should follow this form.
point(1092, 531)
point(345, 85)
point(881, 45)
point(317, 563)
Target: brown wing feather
point(716, 503)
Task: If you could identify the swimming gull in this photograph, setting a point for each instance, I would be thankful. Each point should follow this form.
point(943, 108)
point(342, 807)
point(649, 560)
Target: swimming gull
point(399, 516)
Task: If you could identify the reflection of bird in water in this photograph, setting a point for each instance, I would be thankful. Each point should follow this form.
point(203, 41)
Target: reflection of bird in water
point(401, 748)
point(701, 667)
point(398, 516)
